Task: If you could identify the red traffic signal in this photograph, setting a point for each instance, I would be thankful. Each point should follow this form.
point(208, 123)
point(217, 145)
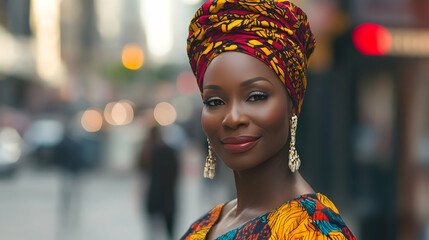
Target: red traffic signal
point(372, 39)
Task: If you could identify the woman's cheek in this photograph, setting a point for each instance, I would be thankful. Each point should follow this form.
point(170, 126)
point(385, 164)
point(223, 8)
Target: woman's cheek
point(273, 119)
point(269, 114)
point(204, 123)
point(208, 123)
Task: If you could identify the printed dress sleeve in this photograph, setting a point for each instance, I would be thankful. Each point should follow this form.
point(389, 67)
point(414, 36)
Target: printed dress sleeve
point(201, 227)
point(311, 216)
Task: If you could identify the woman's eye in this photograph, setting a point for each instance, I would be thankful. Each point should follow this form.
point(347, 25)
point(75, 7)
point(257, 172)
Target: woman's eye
point(257, 96)
point(212, 102)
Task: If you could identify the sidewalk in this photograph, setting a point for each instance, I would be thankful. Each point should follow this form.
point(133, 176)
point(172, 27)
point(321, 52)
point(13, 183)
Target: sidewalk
point(108, 208)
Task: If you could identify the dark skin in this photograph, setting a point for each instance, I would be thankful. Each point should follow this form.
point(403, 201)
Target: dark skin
point(244, 97)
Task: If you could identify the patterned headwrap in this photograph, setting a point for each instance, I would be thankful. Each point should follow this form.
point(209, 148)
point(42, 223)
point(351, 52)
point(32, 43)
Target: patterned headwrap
point(274, 31)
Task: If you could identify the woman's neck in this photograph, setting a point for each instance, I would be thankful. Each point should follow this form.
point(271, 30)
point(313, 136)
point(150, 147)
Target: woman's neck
point(268, 186)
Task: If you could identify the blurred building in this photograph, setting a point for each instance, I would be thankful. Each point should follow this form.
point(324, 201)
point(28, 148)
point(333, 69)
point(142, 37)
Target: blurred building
point(365, 119)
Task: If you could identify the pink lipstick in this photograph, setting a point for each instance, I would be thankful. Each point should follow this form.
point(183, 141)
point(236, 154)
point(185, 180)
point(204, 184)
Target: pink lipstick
point(239, 144)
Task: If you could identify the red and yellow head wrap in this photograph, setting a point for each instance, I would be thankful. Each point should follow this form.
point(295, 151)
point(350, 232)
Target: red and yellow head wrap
point(274, 31)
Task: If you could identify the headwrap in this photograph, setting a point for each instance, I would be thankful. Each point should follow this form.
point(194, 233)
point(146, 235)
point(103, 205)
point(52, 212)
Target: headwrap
point(274, 31)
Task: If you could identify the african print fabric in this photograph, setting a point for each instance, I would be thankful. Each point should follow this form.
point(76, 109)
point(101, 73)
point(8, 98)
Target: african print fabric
point(310, 216)
point(274, 31)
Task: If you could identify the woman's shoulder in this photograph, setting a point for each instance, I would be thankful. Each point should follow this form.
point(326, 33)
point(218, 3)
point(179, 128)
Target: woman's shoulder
point(204, 223)
point(310, 216)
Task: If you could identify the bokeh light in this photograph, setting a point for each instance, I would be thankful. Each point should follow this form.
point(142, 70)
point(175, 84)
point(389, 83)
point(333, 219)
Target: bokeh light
point(122, 113)
point(410, 42)
point(160, 36)
point(191, 2)
point(372, 39)
point(108, 27)
point(108, 113)
point(186, 83)
point(164, 113)
point(92, 120)
point(10, 145)
point(119, 113)
point(45, 24)
point(132, 56)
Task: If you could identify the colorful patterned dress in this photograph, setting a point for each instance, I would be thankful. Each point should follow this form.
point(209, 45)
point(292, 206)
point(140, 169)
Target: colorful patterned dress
point(310, 216)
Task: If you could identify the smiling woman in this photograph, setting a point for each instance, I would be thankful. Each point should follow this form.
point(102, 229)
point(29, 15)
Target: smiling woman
point(249, 58)
point(244, 96)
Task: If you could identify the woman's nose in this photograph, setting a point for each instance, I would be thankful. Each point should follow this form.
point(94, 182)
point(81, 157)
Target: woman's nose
point(235, 117)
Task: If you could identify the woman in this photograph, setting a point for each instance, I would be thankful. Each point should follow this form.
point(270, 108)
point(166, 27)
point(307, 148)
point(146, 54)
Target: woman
point(250, 58)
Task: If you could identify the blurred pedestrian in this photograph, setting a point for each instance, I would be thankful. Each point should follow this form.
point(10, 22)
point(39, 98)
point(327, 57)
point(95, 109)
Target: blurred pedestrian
point(161, 161)
point(70, 159)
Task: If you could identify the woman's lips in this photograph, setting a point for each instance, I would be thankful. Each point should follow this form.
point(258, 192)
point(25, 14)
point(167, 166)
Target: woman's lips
point(239, 144)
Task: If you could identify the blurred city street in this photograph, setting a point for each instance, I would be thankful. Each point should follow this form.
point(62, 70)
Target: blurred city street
point(108, 207)
point(83, 84)
point(32, 199)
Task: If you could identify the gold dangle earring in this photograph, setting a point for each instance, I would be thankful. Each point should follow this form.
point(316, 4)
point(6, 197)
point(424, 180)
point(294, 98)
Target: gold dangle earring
point(294, 161)
point(209, 168)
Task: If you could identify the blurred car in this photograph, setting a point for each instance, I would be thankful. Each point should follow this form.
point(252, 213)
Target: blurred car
point(10, 150)
point(41, 138)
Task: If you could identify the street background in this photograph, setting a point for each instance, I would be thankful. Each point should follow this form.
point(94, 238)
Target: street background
point(83, 82)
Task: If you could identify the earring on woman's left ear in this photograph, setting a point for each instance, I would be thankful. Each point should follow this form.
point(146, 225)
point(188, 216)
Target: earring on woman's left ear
point(294, 161)
point(209, 168)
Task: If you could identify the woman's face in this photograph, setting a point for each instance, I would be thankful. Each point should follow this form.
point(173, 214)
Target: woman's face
point(246, 111)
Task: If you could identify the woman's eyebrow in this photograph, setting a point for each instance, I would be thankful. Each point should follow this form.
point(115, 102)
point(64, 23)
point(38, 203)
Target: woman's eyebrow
point(214, 87)
point(252, 80)
point(243, 84)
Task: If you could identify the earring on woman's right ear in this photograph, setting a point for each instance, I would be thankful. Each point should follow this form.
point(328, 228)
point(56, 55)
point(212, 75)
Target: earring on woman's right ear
point(294, 161)
point(209, 168)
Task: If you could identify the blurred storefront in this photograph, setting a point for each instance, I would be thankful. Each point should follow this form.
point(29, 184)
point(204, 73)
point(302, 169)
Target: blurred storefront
point(373, 114)
point(391, 100)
